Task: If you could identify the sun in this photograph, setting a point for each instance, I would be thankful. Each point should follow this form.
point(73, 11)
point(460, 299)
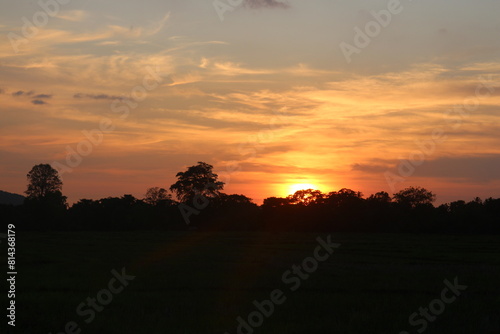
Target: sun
point(301, 186)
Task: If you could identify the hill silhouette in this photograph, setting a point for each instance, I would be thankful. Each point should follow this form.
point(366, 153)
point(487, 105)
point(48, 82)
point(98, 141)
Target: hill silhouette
point(7, 198)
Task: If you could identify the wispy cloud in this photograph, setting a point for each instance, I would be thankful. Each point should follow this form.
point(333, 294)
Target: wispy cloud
point(267, 3)
point(43, 96)
point(231, 69)
point(23, 93)
point(97, 96)
point(156, 27)
point(73, 15)
point(38, 102)
point(139, 31)
point(31, 93)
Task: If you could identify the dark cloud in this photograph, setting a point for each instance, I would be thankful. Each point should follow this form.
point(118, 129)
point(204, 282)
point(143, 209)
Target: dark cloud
point(38, 102)
point(480, 168)
point(23, 93)
point(267, 4)
point(37, 99)
point(42, 96)
point(98, 96)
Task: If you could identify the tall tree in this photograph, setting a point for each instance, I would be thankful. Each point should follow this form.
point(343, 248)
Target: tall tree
point(44, 182)
point(197, 180)
point(45, 200)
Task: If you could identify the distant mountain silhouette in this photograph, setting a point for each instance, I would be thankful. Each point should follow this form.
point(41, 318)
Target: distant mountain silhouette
point(10, 198)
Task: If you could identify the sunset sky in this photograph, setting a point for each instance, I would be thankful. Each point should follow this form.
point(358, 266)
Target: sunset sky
point(266, 95)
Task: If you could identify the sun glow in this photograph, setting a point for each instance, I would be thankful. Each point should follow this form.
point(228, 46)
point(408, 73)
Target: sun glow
point(300, 186)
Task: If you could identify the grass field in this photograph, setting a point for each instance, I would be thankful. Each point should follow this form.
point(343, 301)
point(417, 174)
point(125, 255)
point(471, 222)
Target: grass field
point(201, 282)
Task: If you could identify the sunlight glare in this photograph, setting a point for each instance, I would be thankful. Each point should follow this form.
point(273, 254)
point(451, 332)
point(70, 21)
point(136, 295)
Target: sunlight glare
point(301, 186)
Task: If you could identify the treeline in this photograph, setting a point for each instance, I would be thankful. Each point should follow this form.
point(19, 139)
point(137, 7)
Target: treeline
point(200, 204)
point(341, 211)
point(347, 211)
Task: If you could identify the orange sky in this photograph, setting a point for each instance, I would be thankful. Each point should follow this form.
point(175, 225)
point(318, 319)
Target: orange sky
point(266, 91)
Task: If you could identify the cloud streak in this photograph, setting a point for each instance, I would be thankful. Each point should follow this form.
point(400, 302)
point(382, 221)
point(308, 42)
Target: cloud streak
point(98, 96)
point(38, 102)
point(43, 96)
point(23, 93)
point(73, 15)
point(266, 4)
point(31, 94)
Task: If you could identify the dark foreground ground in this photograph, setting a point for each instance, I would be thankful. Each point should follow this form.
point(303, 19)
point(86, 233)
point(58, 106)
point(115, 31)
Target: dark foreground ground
point(199, 282)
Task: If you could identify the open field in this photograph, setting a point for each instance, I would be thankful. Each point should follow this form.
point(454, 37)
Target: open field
point(201, 282)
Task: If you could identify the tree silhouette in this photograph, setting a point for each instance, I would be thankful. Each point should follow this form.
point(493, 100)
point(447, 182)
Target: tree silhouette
point(234, 200)
point(344, 198)
point(275, 202)
point(305, 197)
point(380, 197)
point(156, 196)
point(197, 180)
point(44, 197)
point(43, 181)
point(346, 210)
point(414, 196)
